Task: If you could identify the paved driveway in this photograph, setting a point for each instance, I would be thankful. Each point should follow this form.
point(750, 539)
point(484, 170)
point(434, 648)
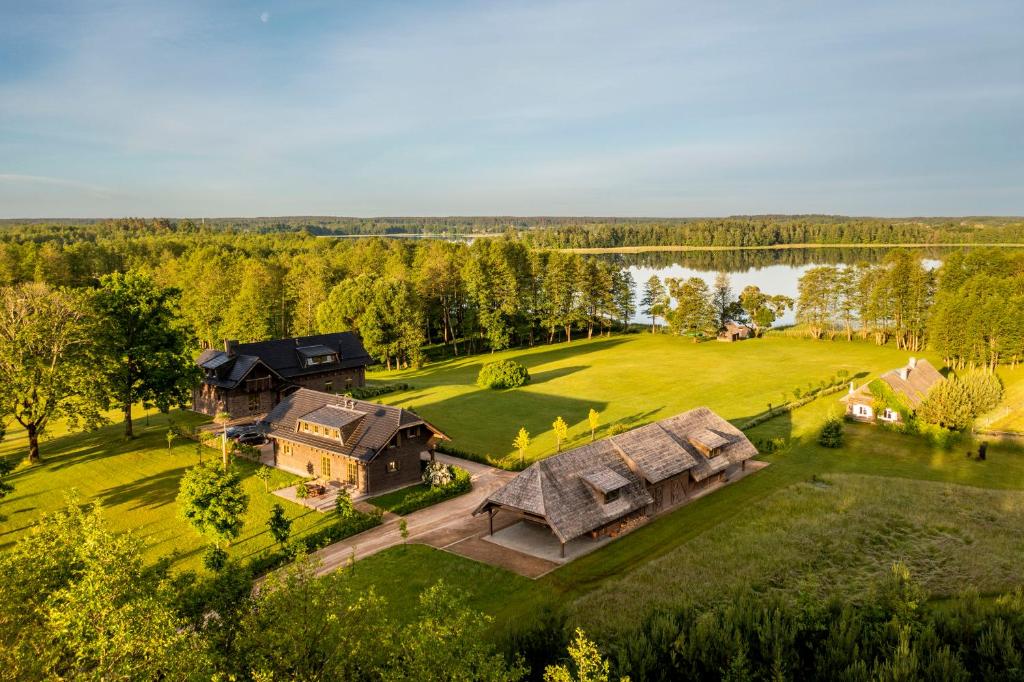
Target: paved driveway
point(440, 525)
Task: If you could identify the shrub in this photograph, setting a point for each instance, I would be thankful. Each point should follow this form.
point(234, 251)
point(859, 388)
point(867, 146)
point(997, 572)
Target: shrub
point(983, 390)
point(343, 506)
point(357, 522)
point(502, 374)
point(367, 392)
point(831, 435)
point(438, 474)
point(215, 558)
point(948, 405)
point(616, 429)
point(301, 492)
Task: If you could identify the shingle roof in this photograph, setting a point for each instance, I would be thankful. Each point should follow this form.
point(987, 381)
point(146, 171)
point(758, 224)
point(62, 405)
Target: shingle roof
point(374, 426)
point(561, 489)
point(921, 376)
point(333, 415)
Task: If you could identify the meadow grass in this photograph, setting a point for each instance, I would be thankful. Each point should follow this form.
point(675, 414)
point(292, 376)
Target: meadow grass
point(136, 482)
point(630, 380)
point(833, 536)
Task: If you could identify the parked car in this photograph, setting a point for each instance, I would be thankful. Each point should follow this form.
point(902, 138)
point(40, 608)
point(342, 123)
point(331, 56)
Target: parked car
point(242, 429)
point(251, 438)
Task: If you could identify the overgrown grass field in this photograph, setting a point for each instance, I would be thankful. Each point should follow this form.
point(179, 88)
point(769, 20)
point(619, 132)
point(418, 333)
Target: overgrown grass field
point(629, 380)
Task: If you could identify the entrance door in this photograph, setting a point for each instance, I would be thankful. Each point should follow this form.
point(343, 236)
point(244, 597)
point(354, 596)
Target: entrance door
point(325, 466)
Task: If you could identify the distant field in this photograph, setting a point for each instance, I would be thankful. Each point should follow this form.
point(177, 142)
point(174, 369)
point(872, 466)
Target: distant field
point(629, 380)
point(136, 482)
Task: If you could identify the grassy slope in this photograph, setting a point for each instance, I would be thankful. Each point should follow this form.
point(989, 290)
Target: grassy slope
point(1010, 415)
point(136, 482)
point(629, 379)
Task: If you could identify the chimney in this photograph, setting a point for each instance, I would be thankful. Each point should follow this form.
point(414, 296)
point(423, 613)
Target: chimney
point(904, 373)
point(913, 363)
point(231, 347)
point(851, 388)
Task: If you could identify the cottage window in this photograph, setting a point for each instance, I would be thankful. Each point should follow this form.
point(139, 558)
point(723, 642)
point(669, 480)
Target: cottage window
point(611, 496)
point(890, 415)
point(392, 466)
point(287, 449)
point(348, 382)
point(352, 471)
point(254, 402)
point(328, 387)
point(325, 467)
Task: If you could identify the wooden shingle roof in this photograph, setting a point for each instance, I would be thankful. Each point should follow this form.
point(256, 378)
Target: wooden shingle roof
point(920, 375)
point(565, 489)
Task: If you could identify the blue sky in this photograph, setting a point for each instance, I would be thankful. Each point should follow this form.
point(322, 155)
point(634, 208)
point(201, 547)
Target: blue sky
point(527, 108)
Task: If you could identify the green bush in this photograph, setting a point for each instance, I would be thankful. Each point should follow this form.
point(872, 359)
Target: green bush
point(831, 435)
point(502, 374)
point(367, 392)
point(355, 523)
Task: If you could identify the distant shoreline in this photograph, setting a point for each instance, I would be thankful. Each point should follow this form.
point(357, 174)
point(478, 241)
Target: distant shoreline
point(650, 249)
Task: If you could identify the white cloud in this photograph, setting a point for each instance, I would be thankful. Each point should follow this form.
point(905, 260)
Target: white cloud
point(265, 17)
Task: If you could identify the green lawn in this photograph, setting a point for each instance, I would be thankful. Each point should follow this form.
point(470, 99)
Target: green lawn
point(630, 380)
point(136, 482)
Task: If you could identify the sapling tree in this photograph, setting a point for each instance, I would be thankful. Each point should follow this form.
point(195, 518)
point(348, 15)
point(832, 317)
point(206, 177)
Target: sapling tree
point(522, 442)
point(561, 429)
point(279, 524)
point(212, 500)
point(593, 420)
point(343, 506)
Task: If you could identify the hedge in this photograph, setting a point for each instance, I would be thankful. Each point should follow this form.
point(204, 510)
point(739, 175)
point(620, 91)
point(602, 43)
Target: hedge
point(429, 496)
point(339, 530)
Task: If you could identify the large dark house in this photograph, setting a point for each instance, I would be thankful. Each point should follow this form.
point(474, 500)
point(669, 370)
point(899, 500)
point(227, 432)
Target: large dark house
point(371, 448)
point(248, 379)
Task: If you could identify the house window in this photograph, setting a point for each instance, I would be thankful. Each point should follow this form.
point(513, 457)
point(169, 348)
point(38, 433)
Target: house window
point(392, 466)
point(254, 402)
point(611, 496)
point(287, 449)
point(861, 410)
point(352, 471)
point(328, 387)
point(348, 382)
point(890, 415)
point(325, 467)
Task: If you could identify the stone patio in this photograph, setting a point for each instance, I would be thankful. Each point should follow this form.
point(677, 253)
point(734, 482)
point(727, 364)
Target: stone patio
point(537, 540)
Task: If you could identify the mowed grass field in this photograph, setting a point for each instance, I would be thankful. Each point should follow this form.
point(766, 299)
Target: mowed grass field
point(629, 380)
point(136, 483)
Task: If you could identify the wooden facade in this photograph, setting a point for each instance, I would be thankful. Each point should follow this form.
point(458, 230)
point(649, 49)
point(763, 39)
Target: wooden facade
point(397, 465)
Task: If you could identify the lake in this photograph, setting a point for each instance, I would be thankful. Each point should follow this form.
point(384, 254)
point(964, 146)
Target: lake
point(775, 271)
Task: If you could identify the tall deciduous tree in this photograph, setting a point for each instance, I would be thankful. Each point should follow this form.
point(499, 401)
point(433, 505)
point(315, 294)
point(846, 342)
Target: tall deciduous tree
point(694, 312)
point(144, 346)
point(47, 360)
point(655, 302)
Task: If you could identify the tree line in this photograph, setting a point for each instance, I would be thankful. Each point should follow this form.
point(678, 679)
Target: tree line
point(969, 309)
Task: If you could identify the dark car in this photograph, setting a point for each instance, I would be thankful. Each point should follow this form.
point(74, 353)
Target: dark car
point(251, 438)
point(240, 429)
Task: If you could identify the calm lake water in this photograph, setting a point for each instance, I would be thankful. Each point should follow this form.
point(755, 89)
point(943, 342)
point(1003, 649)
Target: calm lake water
point(775, 271)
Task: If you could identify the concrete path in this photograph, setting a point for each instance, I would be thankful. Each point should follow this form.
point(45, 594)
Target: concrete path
point(451, 520)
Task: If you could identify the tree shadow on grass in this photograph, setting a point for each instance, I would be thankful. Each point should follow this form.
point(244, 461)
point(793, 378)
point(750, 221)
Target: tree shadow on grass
point(548, 375)
point(150, 491)
point(527, 356)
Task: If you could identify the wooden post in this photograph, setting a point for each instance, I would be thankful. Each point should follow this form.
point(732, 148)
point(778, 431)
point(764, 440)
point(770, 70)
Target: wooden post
point(563, 550)
point(490, 521)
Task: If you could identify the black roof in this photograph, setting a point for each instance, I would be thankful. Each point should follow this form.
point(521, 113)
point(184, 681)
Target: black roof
point(284, 357)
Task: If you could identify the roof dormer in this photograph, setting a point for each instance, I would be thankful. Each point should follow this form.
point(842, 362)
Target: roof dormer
point(606, 483)
point(312, 356)
point(707, 442)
